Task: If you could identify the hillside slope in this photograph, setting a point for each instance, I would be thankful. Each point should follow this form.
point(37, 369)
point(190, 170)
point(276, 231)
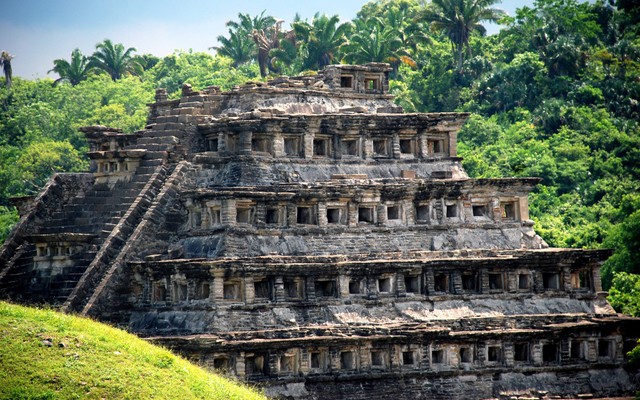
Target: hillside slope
point(48, 355)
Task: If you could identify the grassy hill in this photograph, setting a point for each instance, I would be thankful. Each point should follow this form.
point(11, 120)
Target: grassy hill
point(48, 355)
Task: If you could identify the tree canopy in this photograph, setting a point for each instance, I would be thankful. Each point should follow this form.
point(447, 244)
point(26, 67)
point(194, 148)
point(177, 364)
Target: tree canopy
point(75, 71)
point(115, 60)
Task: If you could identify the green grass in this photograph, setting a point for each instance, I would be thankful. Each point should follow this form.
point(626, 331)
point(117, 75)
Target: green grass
point(89, 360)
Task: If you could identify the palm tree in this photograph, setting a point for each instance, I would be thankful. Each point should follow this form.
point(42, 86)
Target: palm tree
point(146, 61)
point(285, 54)
point(458, 19)
point(402, 19)
point(115, 60)
point(5, 62)
point(247, 24)
point(372, 42)
point(322, 39)
point(266, 41)
point(73, 72)
point(249, 39)
point(239, 47)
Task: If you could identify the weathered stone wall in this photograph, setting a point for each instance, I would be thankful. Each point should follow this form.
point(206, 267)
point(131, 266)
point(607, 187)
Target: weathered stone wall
point(608, 382)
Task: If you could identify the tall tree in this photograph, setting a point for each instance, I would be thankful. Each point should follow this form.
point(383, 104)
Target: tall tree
point(238, 46)
point(73, 72)
point(373, 42)
point(115, 60)
point(5, 61)
point(146, 61)
point(241, 45)
point(459, 19)
point(247, 23)
point(266, 41)
point(401, 16)
point(321, 39)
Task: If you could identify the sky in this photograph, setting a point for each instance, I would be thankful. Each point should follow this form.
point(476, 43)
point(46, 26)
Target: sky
point(36, 32)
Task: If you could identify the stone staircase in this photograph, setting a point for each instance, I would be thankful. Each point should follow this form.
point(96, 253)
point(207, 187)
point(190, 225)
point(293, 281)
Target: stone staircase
point(95, 213)
point(119, 230)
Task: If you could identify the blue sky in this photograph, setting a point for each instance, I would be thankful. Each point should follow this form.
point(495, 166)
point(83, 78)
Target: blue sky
point(38, 31)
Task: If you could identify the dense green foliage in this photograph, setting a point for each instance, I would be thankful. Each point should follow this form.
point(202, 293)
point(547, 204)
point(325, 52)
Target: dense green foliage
point(48, 355)
point(555, 94)
point(625, 293)
point(39, 120)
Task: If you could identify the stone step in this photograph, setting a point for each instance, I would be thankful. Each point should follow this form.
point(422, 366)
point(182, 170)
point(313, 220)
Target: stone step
point(154, 162)
point(158, 140)
point(154, 155)
point(68, 229)
point(158, 133)
point(145, 170)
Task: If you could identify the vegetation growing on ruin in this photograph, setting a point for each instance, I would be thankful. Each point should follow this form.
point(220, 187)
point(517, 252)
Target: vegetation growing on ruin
point(48, 355)
point(555, 94)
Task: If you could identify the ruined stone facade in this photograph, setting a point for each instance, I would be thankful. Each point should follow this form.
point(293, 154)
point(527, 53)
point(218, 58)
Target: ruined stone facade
point(307, 235)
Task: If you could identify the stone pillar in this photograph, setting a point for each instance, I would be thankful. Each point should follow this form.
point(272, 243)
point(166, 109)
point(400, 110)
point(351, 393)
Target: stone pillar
point(381, 210)
point(512, 282)
point(597, 280)
point(335, 142)
point(482, 353)
point(507, 354)
point(322, 214)
point(453, 143)
point(401, 289)
point(523, 208)
point(249, 290)
point(146, 291)
point(222, 144)
point(244, 143)
point(320, 210)
point(305, 362)
point(409, 210)
point(218, 285)
point(292, 215)
point(496, 211)
point(372, 287)
point(423, 145)
point(484, 280)
point(467, 212)
point(278, 289)
point(240, 364)
point(457, 281)
point(359, 81)
point(310, 289)
point(429, 282)
point(565, 350)
point(261, 213)
point(343, 286)
point(363, 355)
point(352, 214)
point(536, 353)
point(538, 284)
point(367, 151)
point(565, 278)
point(228, 212)
point(278, 145)
point(592, 350)
point(395, 147)
point(307, 146)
